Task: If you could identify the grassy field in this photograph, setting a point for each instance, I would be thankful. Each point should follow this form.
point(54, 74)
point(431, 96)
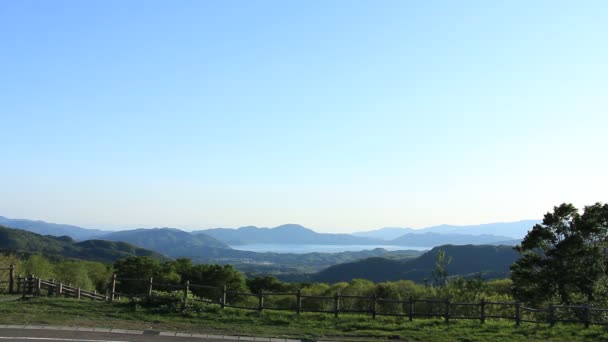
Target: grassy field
point(70, 312)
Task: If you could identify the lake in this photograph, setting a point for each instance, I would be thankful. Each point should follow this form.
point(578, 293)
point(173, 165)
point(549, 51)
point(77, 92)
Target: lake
point(302, 249)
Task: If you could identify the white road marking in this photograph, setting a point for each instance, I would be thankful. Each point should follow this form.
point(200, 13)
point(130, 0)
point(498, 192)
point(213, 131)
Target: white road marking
point(54, 339)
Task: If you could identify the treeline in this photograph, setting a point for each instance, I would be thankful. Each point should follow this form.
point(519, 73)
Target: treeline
point(88, 275)
point(134, 273)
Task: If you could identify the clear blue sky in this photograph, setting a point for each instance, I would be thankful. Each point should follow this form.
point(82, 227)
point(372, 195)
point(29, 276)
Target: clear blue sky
point(338, 115)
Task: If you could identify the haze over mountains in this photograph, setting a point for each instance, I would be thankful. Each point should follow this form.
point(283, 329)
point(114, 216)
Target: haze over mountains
point(222, 238)
point(469, 245)
point(514, 230)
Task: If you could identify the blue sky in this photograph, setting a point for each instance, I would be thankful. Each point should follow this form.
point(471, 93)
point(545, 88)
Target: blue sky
point(338, 115)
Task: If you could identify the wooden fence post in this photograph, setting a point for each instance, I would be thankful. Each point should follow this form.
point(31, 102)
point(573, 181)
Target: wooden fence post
point(482, 309)
point(113, 288)
point(551, 315)
point(517, 314)
point(30, 285)
point(150, 284)
point(298, 301)
point(374, 302)
point(260, 301)
point(587, 316)
point(60, 289)
point(78, 293)
point(38, 286)
point(411, 309)
point(447, 311)
point(11, 279)
point(336, 304)
point(186, 290)
point(224, 297)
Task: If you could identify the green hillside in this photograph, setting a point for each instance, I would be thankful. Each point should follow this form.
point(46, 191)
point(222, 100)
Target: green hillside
point(488, 261)
point(169, 241)
point(17, 240)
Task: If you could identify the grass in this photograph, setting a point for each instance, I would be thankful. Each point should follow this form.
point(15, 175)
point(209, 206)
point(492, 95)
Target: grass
point(212, 320)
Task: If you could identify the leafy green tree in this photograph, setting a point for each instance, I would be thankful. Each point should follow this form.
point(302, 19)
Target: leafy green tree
point(216, 276)
point(267, 283)
point(74, 273)
point(39, 266)
point(564, 258)
point(133, 272)
point(440, 273)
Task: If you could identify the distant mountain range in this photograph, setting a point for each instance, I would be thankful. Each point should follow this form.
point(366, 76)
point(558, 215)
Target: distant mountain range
point(168, 241)
point(213, 246)
point(215, 243)
point(21, 241)
point(468, 260)
point(45, 228)
point(434, 239)
point(285, 234)
point(512, 230)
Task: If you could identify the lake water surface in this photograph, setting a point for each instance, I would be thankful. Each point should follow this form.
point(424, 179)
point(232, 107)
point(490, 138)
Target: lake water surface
point(301, 249)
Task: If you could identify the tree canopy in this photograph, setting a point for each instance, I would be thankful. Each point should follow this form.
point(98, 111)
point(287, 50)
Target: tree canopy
point(564, 259)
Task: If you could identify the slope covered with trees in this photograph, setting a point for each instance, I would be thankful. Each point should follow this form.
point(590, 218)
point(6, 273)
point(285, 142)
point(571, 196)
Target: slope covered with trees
point(484, 260)
point(168, 241)
point(17, 240)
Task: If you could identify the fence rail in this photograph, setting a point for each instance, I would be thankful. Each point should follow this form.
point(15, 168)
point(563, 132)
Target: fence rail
point(33, 286)
point(337, 304)
point(375, 306)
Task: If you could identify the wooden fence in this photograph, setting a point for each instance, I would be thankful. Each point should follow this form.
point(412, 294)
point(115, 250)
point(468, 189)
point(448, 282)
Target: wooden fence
point(7, 279)
point(373, 305)
point(335, 305)
point(33, 286)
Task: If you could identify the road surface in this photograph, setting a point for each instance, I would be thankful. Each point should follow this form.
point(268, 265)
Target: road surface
point(33, 333)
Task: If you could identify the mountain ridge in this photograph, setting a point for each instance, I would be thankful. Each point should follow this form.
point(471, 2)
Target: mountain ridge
point(19, 240)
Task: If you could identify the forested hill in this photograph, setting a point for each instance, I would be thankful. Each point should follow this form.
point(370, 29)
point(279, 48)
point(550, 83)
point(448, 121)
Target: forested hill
point(285, 234)
point(17, 240)
point(46, 228)
point(169, 241)
point(467, 260)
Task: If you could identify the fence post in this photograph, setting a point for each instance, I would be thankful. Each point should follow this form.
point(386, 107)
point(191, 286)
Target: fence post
point(150, 287)
point(78, 293)
point(551, 315)
point(224, 297)
point(298, 301)
point(60, 290)
point(30, 287)
point(260, 301)
point(38, 286)
point(336, 304)
point(447, 311)
point(517, 314)
point(587, 316)
point(482, 309)
point(11, 279)
point(186, 290)
point(411, 309)
point(113, 288)
point(374, 302)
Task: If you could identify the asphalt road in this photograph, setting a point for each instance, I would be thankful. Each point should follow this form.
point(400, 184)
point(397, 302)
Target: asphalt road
point(48, 334)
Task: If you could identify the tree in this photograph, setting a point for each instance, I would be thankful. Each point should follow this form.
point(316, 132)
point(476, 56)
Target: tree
point(440, 273)
point(563, 258)
point(133, 273)
point(216, 276)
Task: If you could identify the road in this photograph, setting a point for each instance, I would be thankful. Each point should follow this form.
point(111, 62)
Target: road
point(55, 334)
